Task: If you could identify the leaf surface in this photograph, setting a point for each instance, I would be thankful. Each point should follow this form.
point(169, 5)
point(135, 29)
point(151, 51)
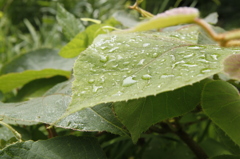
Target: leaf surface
point(221, 102)
point(55, 148)
point(120, 67)
point(49, 108)
point(139, 114)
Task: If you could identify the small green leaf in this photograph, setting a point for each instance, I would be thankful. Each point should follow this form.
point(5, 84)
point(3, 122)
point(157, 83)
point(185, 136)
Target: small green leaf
point(81, 41)
point(221, 102)
point(43, 63)
point(70, 25)
point(139, 114)
point(14, 80)
point(55, 148)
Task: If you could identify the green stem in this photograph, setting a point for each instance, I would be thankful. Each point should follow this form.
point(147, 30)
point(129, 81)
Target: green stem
point(16, 134)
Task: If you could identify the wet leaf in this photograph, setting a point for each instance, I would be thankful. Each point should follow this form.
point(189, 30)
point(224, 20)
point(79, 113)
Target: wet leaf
point(130, 66)
point(49, 108)
point(56, 148)
point(221, 103)
point(139, 114)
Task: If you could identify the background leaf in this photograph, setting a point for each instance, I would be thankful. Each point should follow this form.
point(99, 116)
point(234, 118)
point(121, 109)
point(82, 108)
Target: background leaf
point(43, 63)
point(56, 148)
point(221, 102)
point(130, 66)
point(139, 114)
point(49, 108)
point(82, 40)
point(231, 66)
point(70, 25)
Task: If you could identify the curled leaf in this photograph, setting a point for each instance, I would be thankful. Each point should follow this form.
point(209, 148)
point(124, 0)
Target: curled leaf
point(232, 66)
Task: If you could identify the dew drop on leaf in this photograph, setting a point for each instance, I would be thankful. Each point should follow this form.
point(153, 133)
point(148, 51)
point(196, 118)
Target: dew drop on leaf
point(91, 81)
point(167, 76)
point(154, 55)
point(96, 88)
point(146, 77)
point(103, 58)
point(195, 47)
point(146, 44)
point(141, 62)
point(205, 70)
point(128, 81)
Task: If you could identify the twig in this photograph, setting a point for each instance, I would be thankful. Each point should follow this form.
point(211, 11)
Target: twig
point(51, 131)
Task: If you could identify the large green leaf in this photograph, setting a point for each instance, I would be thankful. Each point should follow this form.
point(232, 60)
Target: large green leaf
point(49, 108)
point(70, 25)
point(119, 67)
point(221, 102)
point(55, 148)
point(138, 115)
point(43, 63)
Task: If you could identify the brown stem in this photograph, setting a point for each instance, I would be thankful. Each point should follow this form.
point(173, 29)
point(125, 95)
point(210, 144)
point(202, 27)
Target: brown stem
point(178, 130)
point(196, 149)
point(51, 131)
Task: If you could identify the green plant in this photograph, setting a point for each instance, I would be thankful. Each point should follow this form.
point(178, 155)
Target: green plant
point(132, 95)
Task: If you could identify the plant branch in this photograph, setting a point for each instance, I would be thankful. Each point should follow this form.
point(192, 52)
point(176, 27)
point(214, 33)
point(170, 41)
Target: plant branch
point(196, 149)
point(51, 131)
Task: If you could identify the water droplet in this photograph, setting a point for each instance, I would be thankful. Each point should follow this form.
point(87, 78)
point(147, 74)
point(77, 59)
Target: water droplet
point(113, 49)
point(173, 57)
point(115, 66)
point(104, 47)
point(126, 63)
point(154, 55)
point(96, 88)
point(166, 76)
point(93, 70)
point(195, 47)
point(205, 70)
point(214, 56)
point(141, 62)
point(119, 93)
point(119, 57)
point(146, 44)
point(203, 60)
point(146, 77)
point(189, 65)
point(177, 63)
point(103, 58)
point(189, 55)
point(128, 81)
point(91, 81)
point(83, 92)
